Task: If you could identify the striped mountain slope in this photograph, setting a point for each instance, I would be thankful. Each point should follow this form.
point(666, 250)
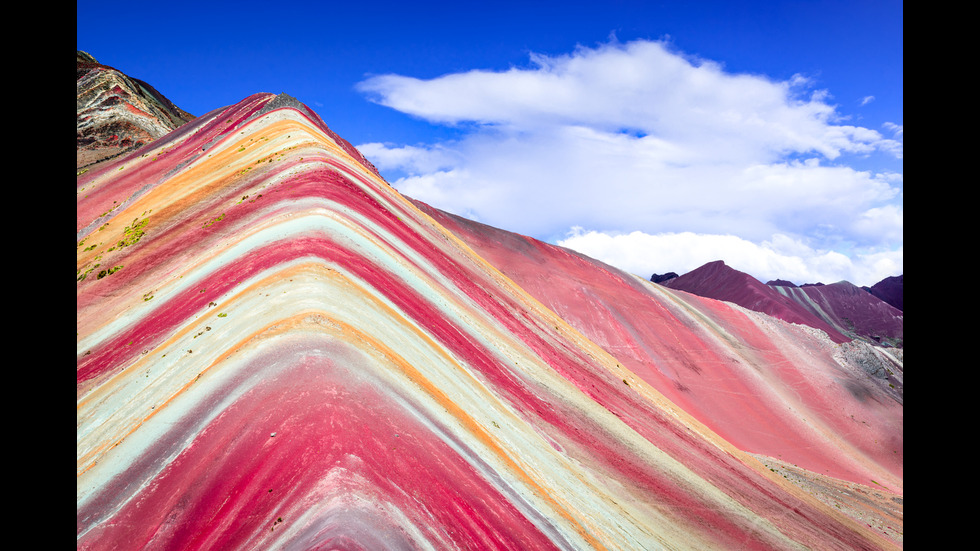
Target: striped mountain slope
point(276, 350)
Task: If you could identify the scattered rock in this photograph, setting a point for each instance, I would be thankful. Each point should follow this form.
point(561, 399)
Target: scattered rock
point(658, 278)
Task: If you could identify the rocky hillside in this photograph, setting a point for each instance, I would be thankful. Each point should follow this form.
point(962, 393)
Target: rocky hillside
point(117, 114)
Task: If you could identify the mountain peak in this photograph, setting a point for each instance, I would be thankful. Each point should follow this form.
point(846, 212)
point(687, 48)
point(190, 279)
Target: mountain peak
point(890, 290)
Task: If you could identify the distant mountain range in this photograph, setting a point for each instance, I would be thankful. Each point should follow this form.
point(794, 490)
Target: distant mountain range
point(842, 310)
point(277, 349)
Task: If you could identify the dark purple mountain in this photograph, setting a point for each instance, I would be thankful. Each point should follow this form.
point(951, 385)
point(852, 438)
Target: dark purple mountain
point(843, 310)
point(889, 290)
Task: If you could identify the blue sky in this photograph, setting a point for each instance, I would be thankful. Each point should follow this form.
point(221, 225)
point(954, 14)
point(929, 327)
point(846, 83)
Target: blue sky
point(654, 135)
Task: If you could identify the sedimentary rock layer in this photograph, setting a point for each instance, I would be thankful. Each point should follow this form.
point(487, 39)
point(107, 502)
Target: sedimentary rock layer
point(277, 350)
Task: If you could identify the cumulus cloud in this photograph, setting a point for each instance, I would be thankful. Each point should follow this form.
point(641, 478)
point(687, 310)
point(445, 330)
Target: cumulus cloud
point(897, 129)
point(641, 87)
point(896, 144)
point(780, 257)
point(637, 137)
point(413, 159)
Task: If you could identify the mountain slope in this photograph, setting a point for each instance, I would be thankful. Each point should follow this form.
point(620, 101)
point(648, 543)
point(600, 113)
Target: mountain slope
point(890, 290)
point(719, 362)
point(275, 348)
point(850, 310)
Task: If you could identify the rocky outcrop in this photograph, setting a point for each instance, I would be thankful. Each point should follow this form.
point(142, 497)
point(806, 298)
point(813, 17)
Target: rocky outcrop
point(117, 114)
point(661, 278)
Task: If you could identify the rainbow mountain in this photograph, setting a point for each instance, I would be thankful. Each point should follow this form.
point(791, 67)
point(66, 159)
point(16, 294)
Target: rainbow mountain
point(277, 350)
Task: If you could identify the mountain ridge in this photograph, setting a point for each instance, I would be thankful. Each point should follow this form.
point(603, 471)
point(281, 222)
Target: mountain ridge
point(248, 282)
point(719, 281)
point(843, 310)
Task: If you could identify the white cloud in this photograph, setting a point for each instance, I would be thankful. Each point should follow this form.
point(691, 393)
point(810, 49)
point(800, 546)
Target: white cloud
point(896, 144)
point(640, 86)
point(883, 223)
point(638, 138)
point(779, 258)
point(414, 159)
point(897, 129)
